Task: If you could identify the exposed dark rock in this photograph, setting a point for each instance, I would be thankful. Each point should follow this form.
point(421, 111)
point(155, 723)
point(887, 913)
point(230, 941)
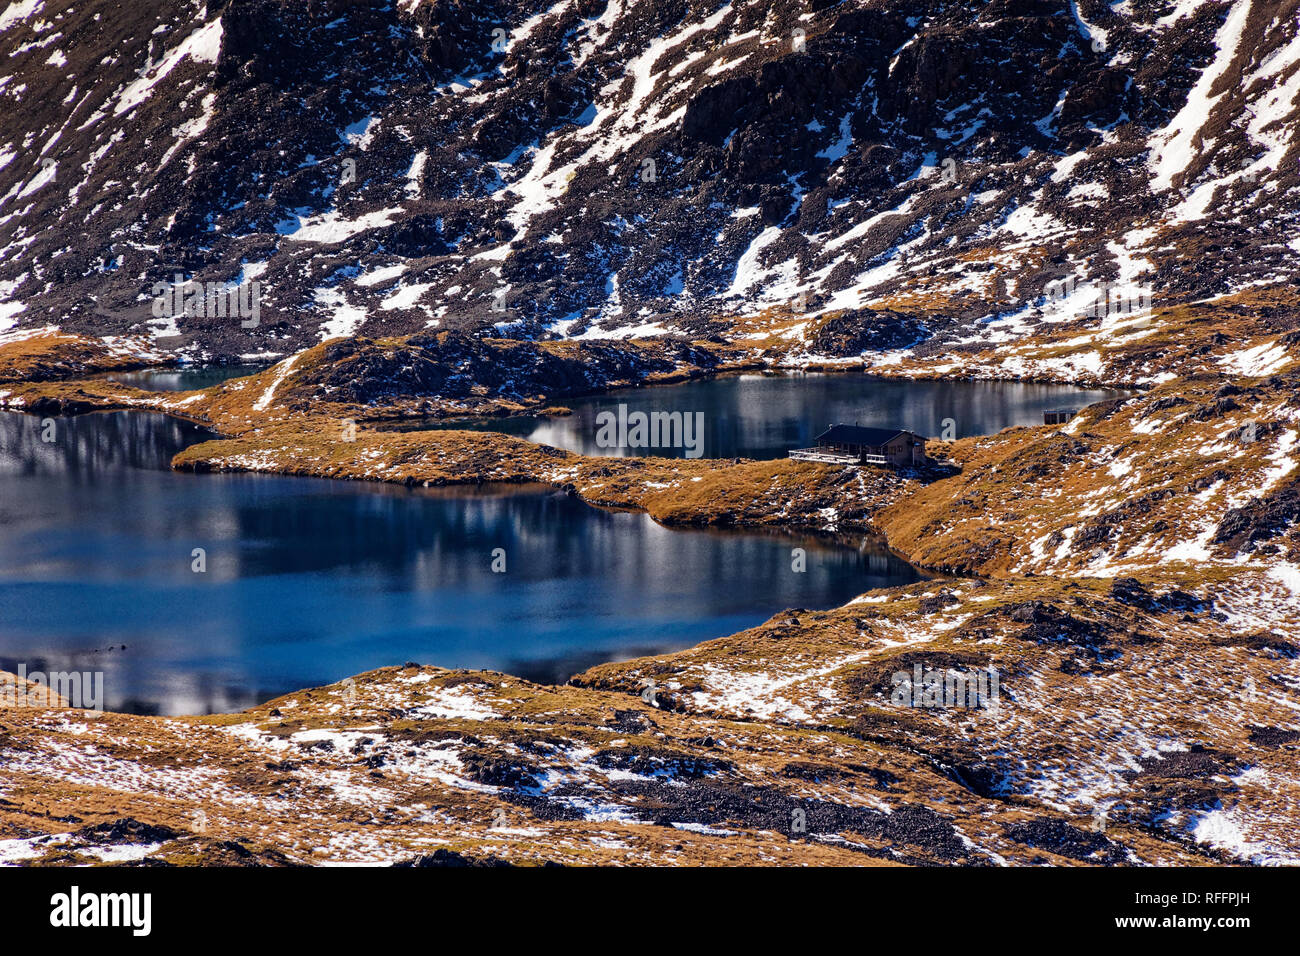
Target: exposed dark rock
point(1049, 624)
point(938, 602)
point(1132, 592)
point(853, 333)
point(648, 761)
point(1261, 519)
point(458, 365)
point(1064, 839)
point(443, 857)
point(496, 769)
point(1273, 736)
point(127, 830)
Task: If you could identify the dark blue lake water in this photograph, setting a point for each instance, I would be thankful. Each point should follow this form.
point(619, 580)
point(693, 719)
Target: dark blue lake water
point(184, 378)
point(308, 581)
point(764, 416)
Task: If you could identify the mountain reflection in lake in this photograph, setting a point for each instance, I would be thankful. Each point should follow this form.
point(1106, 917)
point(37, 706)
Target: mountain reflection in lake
point(308, 581)
point(764, 416)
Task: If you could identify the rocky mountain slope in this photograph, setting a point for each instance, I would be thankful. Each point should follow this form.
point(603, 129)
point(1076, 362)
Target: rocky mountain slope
point(842, 176)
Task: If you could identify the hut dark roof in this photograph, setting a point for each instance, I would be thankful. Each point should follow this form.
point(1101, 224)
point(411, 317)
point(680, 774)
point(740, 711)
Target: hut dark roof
point(859, 435)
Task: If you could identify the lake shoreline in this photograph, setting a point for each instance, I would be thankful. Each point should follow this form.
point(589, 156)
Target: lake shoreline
point(519, 518)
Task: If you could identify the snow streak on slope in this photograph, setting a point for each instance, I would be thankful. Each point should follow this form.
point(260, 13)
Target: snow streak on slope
point(1174, 146)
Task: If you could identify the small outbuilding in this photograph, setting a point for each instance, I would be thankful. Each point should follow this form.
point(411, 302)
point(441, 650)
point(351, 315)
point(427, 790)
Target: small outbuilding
point(1057, 416)
point(858, 445)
